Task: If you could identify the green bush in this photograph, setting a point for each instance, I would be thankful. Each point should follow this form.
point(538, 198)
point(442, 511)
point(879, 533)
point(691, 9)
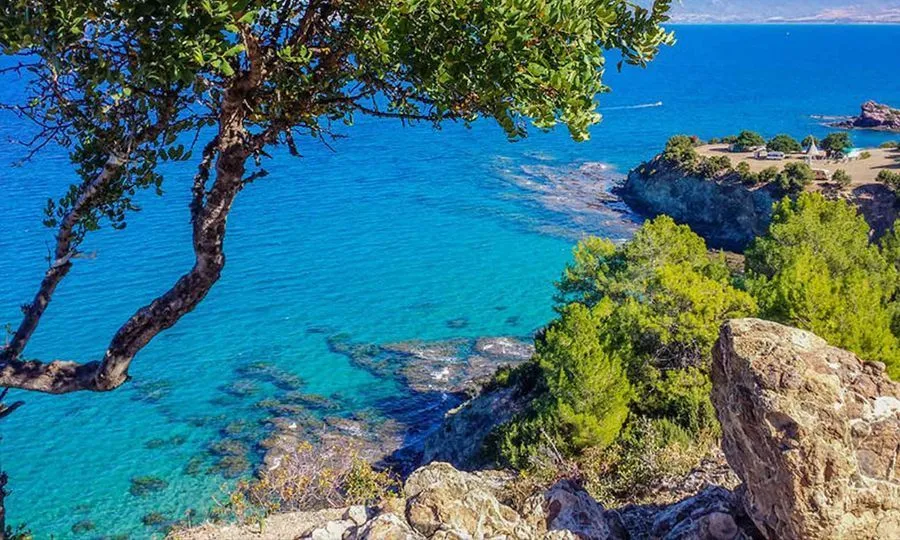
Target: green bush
point(745, 174)
point(769, 174)
point(680, 152)
point(891, 179)
point(783, 143)
point(888, 145)
point(712, 167)
point(747, 140)
point(794, 178)
point(841, 178)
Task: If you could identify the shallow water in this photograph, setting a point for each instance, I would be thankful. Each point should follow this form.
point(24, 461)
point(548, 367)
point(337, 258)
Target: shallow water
point(398, 234)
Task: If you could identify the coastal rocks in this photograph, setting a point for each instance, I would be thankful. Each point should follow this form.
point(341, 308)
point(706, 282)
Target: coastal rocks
point(873, 115)
point(813, 432)
point(460, 438)
point(727, 215)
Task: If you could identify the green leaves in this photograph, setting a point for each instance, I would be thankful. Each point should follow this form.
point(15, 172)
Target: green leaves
point(817, 270)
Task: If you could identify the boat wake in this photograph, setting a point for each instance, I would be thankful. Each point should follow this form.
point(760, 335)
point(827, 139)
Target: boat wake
point(630, 107)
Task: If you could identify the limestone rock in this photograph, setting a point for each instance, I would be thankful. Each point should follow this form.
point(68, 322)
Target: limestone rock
point(813, 432)
point(567, 507)
point(446, 503)
point(384, 527)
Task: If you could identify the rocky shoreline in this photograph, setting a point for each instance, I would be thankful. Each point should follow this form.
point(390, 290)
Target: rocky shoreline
point(874, 116)
point(811, 432)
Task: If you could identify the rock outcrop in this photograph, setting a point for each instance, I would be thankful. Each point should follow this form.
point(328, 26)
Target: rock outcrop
point(873, 115)
point(812, 431)
point(728, 215)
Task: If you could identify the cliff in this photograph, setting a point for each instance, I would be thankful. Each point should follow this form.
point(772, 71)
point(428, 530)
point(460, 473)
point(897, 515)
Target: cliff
point(728, 215)
point(875, 116)
point(812, 432)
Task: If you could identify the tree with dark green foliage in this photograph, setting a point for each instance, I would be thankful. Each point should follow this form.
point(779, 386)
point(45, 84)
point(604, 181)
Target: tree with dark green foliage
point(127, 86)
point(783, 143)
point(808, 140)
point(835, 143)
point(748, 140)
point(680, 152)
point(816, 269)
point(841, 178)
point(714, 167)
point(745, 174)
point(891, 179)
point(794, 178)
point(656, 304)
point(769, 174)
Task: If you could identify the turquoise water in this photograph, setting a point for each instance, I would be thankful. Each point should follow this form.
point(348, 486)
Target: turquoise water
point(389, 237)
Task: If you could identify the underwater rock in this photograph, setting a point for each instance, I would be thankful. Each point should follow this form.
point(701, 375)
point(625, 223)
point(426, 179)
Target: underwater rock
point(241, 388)
point(83, 526)
point(150, 391)
point(142, 486)
point(457, 324)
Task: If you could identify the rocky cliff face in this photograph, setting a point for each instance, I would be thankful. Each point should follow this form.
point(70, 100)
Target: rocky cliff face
point(812, 432)
point(726, 215)
point(729, 215)
point(873, 115)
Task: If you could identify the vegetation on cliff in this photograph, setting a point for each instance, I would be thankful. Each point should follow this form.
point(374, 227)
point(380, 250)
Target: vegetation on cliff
point(622, 377)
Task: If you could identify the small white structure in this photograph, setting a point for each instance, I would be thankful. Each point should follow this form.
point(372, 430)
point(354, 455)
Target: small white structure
point(761, 153)
point(813, 152)
point(775, 156)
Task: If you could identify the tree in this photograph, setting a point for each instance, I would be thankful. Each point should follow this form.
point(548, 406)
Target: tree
point(128, 85)
point(794, 178)
point(747, 140)
point(808, 140)
point(783, 143)
point(816, 269)
point(835, 143)
point(842, 178)
point(584, 377)
point(680, 152)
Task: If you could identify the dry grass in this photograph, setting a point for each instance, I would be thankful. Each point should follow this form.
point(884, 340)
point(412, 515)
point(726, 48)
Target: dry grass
point(862, 171)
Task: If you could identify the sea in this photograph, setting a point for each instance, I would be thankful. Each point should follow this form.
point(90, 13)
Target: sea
point(390, 233)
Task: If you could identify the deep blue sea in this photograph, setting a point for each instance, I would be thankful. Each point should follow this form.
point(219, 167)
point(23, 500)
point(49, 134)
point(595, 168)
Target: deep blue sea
point(398, 233)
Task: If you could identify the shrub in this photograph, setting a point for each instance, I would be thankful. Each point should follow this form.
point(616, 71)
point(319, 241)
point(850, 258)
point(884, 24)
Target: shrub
point(841, 178)
point(712, 167)
point(865, 154)
point(769, 174)
point(747, 140)
point(681, 396)
point(745, 175)
point(889, 145)
point(680, 152)
point(312, 477)
point(794, 178)
point(889, 178)
point(649, 454)
point(783, 143)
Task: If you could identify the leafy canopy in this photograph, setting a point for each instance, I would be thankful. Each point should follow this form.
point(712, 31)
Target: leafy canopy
point(129, 78)
point(816, 269)
point(783, 143)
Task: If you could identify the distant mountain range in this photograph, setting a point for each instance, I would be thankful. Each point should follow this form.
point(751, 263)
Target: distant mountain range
point(787, 11)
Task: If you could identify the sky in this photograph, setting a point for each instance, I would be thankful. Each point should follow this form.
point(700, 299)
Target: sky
point(786, 11)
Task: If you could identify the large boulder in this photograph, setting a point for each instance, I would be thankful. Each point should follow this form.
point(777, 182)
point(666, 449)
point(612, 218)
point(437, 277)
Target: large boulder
point(873, 115)
point(443, 502)
point(813, 432)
